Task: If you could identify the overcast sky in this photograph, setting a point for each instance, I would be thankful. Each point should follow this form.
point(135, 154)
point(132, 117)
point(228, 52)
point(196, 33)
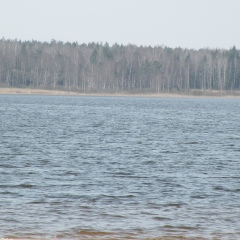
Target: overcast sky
point(185, 23)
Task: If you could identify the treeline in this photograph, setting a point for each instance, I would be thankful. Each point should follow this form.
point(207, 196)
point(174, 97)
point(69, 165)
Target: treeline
point(95, 67)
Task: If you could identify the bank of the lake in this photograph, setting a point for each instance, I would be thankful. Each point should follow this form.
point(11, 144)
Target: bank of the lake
point(192, 93)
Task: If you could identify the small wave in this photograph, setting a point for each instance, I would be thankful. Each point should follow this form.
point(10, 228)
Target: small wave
point(191, 143)
point(176, 205)
point(162, 218)
point(112, 215)
point(94, 233)
point(199, 196)
point(72, 173)
point(123, 173)
point(220, 188)
point(169, 152)
point(149, 162)
point(25, 185)
point(177, 228)
point(8, 165)
point(37, 202)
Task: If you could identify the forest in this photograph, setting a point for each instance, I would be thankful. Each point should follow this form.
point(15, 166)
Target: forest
point(101, 68)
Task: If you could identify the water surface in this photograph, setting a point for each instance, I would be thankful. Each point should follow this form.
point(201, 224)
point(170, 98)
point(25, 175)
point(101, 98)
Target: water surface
point(119, 167)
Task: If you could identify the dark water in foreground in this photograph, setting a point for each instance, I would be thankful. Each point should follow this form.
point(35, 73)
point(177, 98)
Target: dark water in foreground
point(106, 167)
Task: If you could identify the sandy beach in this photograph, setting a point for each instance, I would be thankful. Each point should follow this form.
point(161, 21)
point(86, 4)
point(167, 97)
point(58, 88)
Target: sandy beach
point(190, 94)
point(34, 91)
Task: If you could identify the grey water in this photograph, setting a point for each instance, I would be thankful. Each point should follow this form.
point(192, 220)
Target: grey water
point(78, 167)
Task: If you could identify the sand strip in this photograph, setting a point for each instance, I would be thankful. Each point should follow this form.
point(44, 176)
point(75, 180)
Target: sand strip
point(191, 94)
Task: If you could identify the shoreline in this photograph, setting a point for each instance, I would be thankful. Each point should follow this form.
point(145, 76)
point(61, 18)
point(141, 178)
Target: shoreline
point(191, 94)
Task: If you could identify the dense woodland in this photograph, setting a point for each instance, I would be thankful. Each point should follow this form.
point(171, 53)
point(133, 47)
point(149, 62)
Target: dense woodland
point(95, 67)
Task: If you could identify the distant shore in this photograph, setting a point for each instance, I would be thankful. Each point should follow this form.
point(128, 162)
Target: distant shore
point(192, 93)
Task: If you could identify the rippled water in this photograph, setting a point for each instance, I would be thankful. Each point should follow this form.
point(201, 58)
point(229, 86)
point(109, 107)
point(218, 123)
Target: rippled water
point(119, 167)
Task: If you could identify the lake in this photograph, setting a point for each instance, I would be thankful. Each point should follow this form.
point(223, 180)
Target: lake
point(85, 167)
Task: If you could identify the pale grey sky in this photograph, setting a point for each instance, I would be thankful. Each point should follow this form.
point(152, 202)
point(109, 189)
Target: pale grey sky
point(185, 23)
